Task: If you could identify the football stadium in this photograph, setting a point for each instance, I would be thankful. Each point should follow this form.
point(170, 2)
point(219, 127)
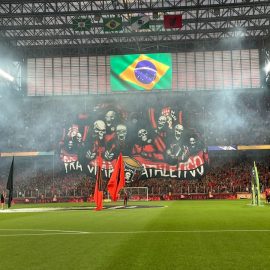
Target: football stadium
point(135, 134)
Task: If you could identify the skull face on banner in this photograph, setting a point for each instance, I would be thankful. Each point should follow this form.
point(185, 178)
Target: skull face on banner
point(143, 135)
point(79, 137)
point(192, 142)
point(178, 132)
point(161, 122)
point(128, 176)
point(99, 129)
point(121, 132)
point(109, 118)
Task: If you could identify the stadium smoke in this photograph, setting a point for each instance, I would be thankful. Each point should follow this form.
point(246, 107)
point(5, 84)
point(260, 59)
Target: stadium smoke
point(36, 123)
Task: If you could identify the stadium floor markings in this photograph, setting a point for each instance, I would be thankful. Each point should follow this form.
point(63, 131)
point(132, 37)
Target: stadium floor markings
point(37, 232)
point(80, 208)
point(182, 231)
point(40, 210)
point(40, 232)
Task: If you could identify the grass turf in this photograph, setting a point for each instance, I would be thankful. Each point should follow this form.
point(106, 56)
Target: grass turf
point(209, 247)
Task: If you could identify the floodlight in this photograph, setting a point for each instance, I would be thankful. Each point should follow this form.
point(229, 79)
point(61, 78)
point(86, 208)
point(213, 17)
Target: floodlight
point(6, 75)
point(267, 68)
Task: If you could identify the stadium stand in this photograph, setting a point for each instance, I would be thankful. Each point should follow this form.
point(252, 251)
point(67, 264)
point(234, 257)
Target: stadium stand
point(226, 177)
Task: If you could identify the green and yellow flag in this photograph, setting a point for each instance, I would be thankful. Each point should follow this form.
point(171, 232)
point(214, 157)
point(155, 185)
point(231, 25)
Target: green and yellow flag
point(81, 24)
point(141, 72)
point(140, 22)
point(112, 24)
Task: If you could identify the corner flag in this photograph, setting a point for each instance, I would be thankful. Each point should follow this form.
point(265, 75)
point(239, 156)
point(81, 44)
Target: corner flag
point(10, 183)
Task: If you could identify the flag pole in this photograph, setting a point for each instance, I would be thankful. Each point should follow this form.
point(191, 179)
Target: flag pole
point(98, 195)
point(10, 183)
point(258, 191)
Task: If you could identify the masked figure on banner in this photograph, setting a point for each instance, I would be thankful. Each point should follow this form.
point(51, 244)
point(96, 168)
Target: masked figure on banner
point(69, 135)
point(95, 141)
point(71, 144)
point(163, 121)
point(177, 150)
point(111, 115)
point(110, 121)
point(194, 145)
point(120, 144)
point(161, 128)
point(146, 147)
point(71, 148)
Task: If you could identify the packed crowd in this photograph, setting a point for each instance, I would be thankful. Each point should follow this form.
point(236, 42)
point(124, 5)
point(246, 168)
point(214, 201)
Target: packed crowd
point(225, 175)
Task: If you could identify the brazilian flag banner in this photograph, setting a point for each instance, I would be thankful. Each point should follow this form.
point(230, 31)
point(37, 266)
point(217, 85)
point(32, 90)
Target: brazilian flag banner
point(141, 72)
point(81, 24)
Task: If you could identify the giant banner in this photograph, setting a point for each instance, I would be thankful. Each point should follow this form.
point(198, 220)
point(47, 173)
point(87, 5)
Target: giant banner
point(156, 142)
point(141, 72)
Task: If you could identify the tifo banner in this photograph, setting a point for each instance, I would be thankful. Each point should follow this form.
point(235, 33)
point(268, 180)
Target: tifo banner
point(141, 72)
point(155, 142)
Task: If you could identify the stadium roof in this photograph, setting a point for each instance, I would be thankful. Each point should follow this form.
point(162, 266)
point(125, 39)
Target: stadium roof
point(45, 27)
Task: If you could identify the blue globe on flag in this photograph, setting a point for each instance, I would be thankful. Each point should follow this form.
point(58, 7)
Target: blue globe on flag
point(145, 72)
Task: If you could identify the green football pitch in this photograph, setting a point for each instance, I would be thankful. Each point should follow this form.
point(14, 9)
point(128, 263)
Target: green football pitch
point(210, 234)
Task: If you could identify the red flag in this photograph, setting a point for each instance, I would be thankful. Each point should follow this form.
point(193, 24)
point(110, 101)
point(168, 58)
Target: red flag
point(117, 180)
point(98, 196)
point(172, 21)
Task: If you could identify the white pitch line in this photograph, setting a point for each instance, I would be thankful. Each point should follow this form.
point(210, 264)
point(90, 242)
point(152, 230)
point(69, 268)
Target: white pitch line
point(40, 210)
point(195, 231)
point(41, 230)
point(37, 234)
point(60, 232)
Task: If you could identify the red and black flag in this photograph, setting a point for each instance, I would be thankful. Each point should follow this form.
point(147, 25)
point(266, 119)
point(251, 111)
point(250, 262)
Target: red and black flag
point(98, 196)
point(117, 180)
point(172, 21)
point(10, 183)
